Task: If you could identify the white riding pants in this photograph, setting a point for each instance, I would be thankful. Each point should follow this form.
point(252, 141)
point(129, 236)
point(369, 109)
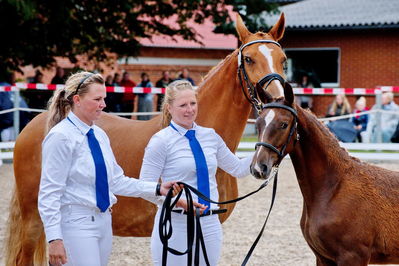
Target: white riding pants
point(87, 235)
point(211, 230)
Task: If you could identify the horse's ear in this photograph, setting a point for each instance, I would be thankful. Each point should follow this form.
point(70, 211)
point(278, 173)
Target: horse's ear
point(288, 93)
point(242, 30)
point(278, 29)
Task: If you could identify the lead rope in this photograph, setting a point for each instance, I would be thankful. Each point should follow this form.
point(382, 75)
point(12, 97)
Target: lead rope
point(165, 223)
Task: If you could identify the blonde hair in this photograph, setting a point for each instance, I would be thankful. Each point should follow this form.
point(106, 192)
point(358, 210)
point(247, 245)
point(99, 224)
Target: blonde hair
point(61, 102)
point(170, 95)
point(346, 107)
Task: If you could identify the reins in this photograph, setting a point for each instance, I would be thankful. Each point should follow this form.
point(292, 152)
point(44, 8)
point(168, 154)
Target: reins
point(165, 223)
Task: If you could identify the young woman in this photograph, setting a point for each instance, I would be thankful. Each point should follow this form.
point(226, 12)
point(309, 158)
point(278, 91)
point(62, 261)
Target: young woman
point(80, 176)
point(175, 153)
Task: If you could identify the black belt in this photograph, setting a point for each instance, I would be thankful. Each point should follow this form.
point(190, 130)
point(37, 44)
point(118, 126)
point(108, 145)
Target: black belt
point(210, 212)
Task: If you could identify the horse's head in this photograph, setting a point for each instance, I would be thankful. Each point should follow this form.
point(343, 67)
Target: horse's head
point(261, 61)
point(277, 129)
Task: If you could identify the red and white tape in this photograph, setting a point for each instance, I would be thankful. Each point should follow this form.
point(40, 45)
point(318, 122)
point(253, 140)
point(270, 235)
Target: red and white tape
point(154, 90)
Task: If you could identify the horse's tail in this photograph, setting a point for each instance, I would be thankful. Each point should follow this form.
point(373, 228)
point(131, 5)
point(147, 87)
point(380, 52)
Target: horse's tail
point(14, 238)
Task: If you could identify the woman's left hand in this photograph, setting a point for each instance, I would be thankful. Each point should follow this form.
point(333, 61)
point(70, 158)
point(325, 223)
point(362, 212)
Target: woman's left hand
point(166, 186)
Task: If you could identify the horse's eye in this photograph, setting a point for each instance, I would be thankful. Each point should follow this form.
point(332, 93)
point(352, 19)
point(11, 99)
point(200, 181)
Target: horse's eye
point(284, 125)
point(248, 60)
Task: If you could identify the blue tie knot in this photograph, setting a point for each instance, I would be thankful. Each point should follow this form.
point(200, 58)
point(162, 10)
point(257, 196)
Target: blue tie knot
point(90, 133)
point(190, 134)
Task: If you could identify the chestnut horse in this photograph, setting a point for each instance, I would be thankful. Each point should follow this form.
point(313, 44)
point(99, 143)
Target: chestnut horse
point(350, 212)
point(222, 106)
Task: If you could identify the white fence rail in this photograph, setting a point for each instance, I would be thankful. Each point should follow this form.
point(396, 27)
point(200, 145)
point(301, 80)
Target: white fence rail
point(370, 151)
point(363, 151)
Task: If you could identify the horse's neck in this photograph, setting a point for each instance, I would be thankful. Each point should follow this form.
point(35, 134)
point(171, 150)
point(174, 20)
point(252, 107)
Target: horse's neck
point(317, 158)
point(222, 104)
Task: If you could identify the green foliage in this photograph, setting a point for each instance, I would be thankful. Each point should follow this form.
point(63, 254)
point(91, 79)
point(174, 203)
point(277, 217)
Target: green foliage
point(35, 31)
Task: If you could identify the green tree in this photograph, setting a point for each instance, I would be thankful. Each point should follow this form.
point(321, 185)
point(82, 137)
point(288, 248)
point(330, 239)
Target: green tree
point(35, 31)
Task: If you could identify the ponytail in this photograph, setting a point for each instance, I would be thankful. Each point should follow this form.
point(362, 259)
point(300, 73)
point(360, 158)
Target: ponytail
point(59, 107)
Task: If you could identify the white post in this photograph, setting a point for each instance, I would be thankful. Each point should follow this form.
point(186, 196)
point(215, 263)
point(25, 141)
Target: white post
point(17, 99)
point(378, 102)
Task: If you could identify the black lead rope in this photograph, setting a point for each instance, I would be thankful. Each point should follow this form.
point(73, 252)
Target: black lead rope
point(166, 230)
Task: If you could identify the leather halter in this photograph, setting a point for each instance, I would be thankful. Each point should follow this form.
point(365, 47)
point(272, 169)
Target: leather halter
point(293, 128)
point(253, 94)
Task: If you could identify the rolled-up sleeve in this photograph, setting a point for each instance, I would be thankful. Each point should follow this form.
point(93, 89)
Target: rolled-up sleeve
point(229, 162)
point(56, 163)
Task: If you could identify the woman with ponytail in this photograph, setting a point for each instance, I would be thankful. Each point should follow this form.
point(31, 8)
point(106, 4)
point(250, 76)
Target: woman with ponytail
point(80, 176)
point(187, 152)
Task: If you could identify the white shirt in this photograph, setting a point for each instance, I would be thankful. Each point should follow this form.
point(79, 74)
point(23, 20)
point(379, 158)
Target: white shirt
point(168, 156)
point(68, 173)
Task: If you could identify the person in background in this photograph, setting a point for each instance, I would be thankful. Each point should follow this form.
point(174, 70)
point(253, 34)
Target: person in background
point(185, 75)
point(340, 106)
point(7, 98)
point(188, 152)
point(80, 176)
point(128, 99)
point(37, 99)
point(303, 100)
point(164, 81)
point(59, 77)
point(145, 100)
point(360, 121)
point(388, 120)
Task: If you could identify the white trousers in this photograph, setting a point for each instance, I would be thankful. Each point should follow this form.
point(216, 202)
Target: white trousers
point(211, 230)
point(87, 235)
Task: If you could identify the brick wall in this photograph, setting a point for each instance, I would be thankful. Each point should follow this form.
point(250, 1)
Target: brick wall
point(368, 58)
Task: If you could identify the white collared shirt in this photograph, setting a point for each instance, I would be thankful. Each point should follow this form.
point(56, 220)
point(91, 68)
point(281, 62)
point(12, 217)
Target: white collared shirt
point(68, 173)
point(168, 156)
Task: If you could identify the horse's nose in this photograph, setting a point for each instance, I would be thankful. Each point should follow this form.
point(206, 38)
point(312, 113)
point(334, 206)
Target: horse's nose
point(259, 170)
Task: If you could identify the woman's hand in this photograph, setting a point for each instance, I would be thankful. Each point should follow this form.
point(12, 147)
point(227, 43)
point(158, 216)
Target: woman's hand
point(166, 186)
point(182, 203)
point(57, 254)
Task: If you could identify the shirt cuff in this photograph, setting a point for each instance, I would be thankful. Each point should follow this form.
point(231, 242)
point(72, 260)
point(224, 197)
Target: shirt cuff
point(53, 232)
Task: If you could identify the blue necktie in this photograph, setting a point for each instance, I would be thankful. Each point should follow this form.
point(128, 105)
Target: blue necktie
point(102, 192)
point(201, 166)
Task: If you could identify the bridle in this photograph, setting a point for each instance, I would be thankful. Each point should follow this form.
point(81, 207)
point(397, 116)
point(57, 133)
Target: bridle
point(292, 130)
point(267, 79)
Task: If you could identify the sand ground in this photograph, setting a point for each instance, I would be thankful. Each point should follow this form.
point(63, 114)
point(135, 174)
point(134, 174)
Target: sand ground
point(282, 242)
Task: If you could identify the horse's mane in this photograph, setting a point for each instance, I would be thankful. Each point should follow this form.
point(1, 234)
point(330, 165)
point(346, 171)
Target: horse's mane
point(334, 149)
point(216, 69)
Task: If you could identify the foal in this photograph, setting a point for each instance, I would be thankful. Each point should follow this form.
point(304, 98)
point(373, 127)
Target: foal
point(350, 212)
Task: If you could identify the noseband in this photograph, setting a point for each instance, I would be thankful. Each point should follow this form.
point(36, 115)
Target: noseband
point(293, 128)
point(267, 79)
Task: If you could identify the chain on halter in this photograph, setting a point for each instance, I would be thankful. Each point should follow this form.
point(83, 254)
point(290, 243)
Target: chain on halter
point(253, 94)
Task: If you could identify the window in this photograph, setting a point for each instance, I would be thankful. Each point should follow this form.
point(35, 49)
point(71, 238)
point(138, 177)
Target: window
point(320, 64)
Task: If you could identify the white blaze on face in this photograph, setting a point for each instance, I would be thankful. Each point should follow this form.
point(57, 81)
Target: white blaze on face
point(267, 52)
point(268, 120)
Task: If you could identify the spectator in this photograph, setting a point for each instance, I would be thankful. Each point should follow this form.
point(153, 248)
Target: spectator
point(59, 77)
point(340, 106)
point(38, 98)
point(110, 100)
point(360, 121)
point(128, 98)
point(305, 101)
point(343, 129)
point(145, 99)
point(117, 79)
point(388, 120)
point(7, 132)
point(185, 74)
point(162, 83)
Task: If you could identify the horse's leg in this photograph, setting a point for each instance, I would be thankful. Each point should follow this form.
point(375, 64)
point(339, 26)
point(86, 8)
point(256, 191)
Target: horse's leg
point(33, 243)
point(353, 258)
point(25, 244)
point(321, 261)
